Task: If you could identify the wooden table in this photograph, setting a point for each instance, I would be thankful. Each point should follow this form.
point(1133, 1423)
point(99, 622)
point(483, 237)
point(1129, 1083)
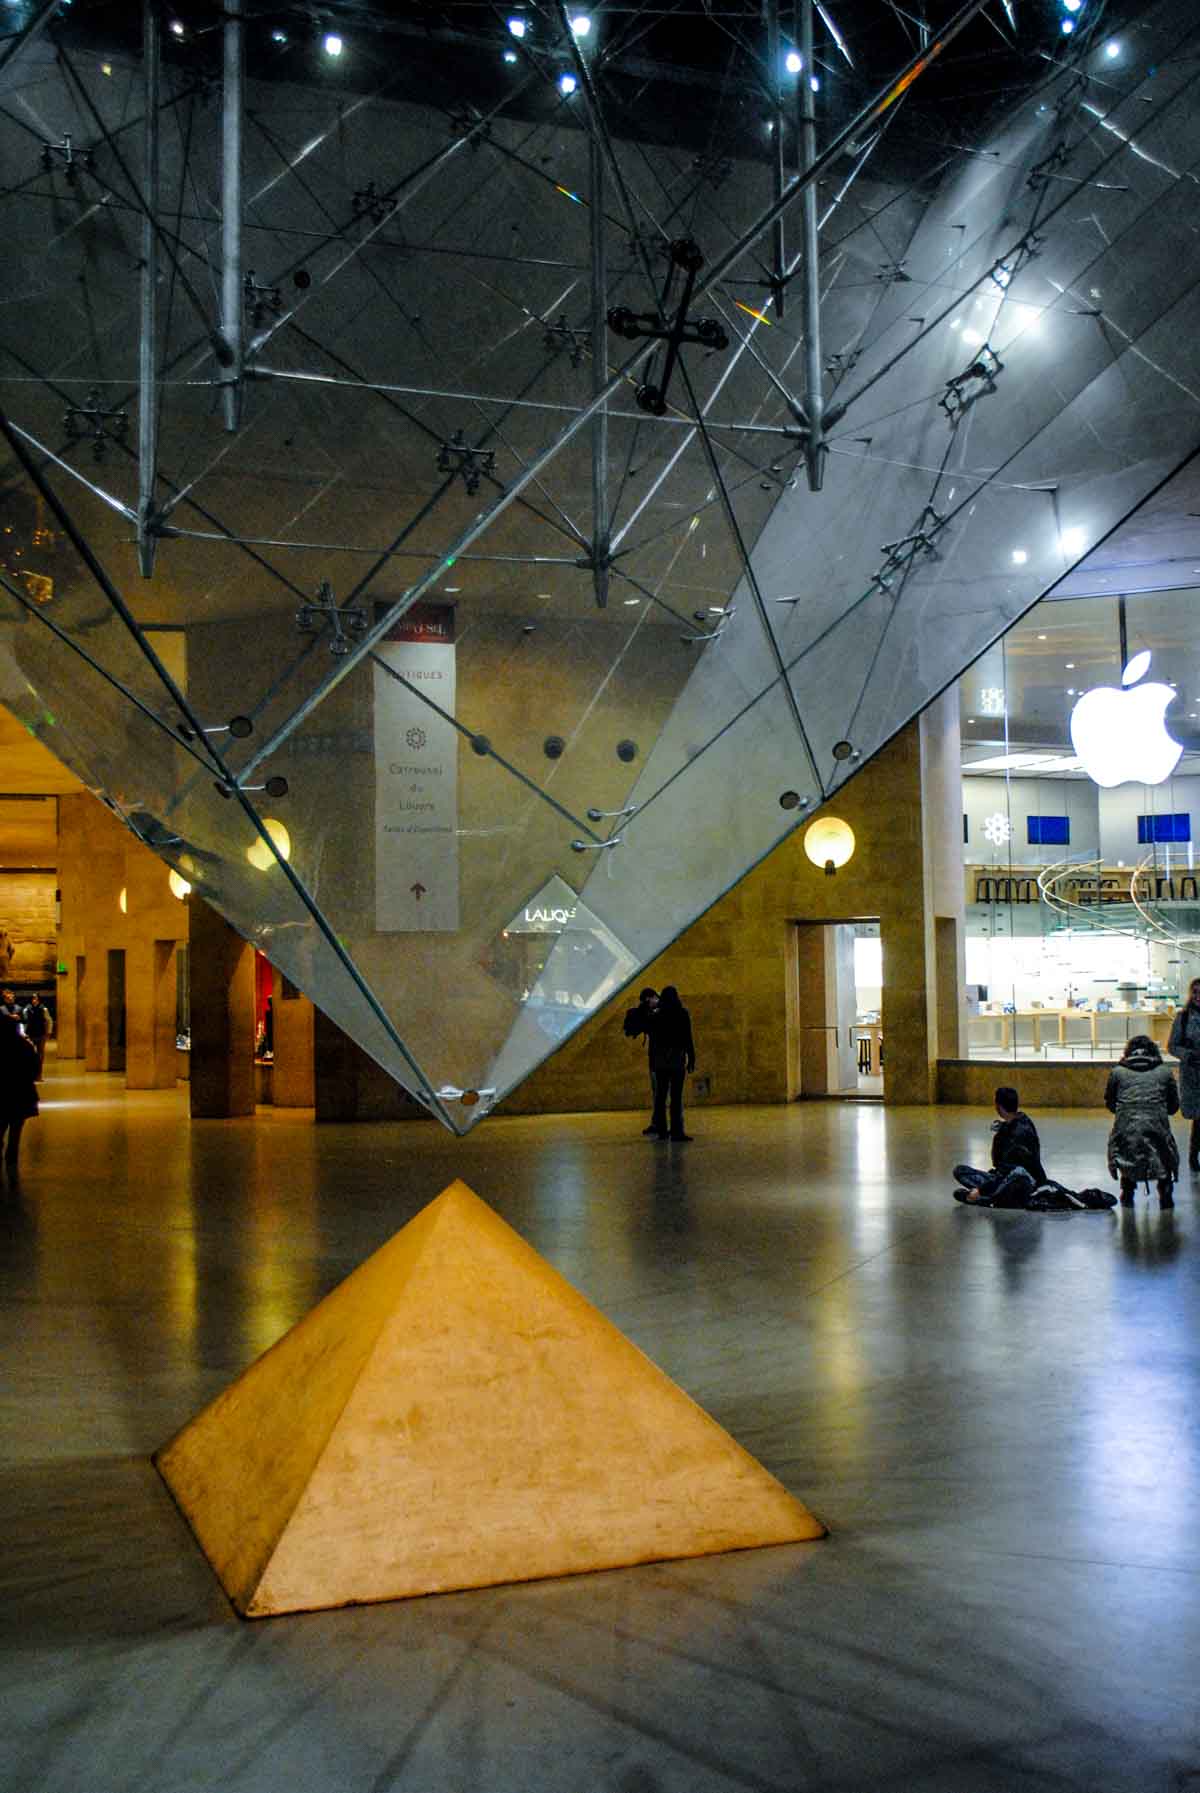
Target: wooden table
point(1114, 1026)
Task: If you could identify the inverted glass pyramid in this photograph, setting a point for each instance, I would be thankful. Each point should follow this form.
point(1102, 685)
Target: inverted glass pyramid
point(528, 615)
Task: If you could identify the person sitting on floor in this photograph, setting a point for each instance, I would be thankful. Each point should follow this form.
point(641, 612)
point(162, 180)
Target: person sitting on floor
point(1142, 1095)
point(1016, 1160)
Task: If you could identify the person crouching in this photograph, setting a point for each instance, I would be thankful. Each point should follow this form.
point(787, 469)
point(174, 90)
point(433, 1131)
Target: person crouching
point(1142, 1095)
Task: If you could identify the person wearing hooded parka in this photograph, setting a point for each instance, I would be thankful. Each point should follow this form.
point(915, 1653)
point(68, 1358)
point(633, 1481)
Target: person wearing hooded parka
point(1184, 1045)
point(1142, 1096)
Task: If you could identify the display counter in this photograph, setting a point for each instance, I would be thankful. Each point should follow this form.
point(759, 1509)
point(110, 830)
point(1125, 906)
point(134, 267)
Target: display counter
point(1038, 1030)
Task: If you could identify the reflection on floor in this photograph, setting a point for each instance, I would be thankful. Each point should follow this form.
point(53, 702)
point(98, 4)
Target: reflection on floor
point(996, 1414)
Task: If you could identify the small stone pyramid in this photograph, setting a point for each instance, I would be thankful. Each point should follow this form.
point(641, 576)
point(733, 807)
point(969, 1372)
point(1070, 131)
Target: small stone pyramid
point(455, 1415)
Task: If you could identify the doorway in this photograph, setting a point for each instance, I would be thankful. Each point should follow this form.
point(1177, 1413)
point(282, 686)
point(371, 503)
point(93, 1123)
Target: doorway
point(80, 1007)
point(839, 1010)
point(116, 1011)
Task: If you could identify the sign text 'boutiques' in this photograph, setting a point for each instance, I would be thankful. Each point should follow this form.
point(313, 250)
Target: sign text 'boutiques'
point(416, 776)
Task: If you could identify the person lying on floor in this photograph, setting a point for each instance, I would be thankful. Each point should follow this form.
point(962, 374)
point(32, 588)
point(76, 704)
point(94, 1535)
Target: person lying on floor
point(1016, 1159)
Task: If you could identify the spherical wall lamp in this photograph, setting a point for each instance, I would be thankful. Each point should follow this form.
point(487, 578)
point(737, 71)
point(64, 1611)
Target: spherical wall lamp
point(179, 886)
point(260, 854)
point(829, 843)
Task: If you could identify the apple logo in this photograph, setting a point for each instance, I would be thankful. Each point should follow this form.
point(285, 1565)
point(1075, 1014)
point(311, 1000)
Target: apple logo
point(1120, 736)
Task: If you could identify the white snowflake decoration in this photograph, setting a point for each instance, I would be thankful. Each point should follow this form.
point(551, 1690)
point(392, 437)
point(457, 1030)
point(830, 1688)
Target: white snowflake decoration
point(991, 700)
point(997, 830)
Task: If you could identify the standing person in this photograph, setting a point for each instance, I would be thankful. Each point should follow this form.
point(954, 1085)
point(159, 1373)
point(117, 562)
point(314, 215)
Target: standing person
point(1017, 1168)
point(672, 1055)
point(1184, 1045)
point(37, 1028)
point(18, 1091)
point(1142, 1097)
point(639, 1023)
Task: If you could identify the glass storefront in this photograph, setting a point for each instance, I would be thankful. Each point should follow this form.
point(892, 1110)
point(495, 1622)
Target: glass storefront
point(1081, 799)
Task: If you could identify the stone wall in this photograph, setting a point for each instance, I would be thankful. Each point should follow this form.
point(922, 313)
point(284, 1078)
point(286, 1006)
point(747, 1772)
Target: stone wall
point(28, 951)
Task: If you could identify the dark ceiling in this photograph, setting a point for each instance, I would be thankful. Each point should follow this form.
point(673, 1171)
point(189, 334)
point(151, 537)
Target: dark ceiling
point(697, 74)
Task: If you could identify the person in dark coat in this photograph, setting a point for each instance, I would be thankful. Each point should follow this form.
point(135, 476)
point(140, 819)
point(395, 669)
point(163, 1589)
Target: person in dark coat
point(672, 1056)
point(37, 1027)
point(1017, 1168)
point(1184, 1045)
point(18, 1089)
point(1142, 1096)
point(638, 1023)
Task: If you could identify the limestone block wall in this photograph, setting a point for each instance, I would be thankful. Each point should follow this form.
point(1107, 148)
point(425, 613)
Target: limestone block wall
point(27, 934)
point(97, 860)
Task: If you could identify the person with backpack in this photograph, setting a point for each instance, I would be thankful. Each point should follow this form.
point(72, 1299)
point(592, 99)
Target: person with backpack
point(1184, 1045)
point(672, 1056)
point(37, 1029)
point(638, 1024)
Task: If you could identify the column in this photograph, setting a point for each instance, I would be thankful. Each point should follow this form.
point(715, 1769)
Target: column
point(293, 1080)
point(222, 979)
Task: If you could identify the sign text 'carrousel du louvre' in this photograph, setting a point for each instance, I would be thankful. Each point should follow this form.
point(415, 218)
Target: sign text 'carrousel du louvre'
point(416, 776)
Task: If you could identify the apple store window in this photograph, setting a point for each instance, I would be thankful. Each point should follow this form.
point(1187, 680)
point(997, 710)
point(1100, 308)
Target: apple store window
point(1081, 820)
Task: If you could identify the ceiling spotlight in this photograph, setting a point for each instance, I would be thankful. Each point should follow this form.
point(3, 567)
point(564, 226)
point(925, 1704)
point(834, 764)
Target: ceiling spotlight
point(517, 25)
point(1020, 556)
point(278, 36)
point(176, 27)
point(567, 83)
point(1112, 49)
point(510, 55)
point(815, 84)
point(332, 44)
point(1073, 541)
point(1068, 25)
point(1072, 5)
point(793, 62)
point(581, 24)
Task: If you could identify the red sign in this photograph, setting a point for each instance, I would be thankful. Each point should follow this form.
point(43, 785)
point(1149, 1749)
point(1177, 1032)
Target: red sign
point(423, 622)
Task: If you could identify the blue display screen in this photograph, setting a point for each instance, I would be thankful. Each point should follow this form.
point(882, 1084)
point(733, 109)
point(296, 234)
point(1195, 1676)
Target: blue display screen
point(1048, 831)
point(1152, 829)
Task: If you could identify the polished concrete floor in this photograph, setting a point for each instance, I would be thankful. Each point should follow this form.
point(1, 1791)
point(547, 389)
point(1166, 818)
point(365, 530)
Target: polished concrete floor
point(997, 1415)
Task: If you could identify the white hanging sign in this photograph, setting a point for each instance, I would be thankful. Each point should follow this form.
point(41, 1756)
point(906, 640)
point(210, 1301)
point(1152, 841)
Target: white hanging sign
point(416, 777)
